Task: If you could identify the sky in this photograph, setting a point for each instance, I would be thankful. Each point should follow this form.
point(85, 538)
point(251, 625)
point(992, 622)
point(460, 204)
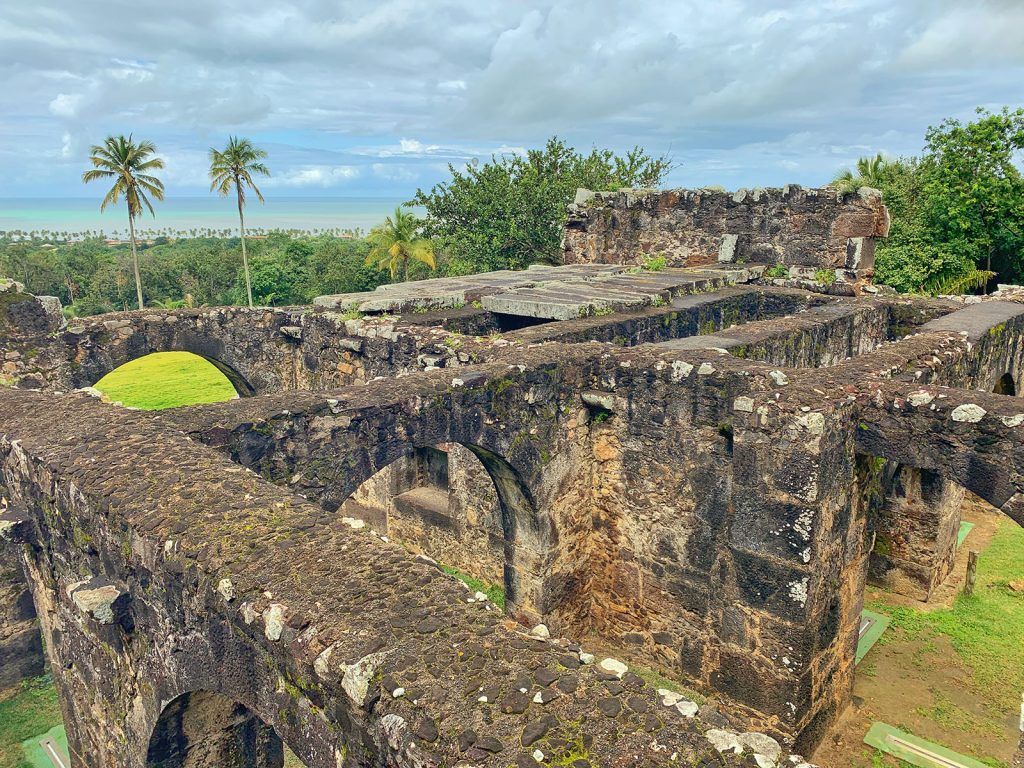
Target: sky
point(377, 97)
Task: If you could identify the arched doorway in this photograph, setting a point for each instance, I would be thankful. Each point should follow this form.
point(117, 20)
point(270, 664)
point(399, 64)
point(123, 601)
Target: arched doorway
point(172, 379)
point(1005, 385)
point(467, 508)
point(202, 729)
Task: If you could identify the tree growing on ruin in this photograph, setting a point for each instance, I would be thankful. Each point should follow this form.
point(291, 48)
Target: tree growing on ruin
point(233, 168)
point(130, 164)
point(397, 241)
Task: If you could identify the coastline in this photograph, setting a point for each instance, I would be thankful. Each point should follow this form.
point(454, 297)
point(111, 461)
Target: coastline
point(195, 216)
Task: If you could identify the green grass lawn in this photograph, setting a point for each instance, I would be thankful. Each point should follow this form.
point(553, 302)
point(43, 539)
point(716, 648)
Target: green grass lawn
point(166, 380)
point(986, 632)
point(32, 711)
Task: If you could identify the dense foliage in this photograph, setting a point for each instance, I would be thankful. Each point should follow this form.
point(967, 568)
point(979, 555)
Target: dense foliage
point(92, 277)
point(509, 213)
point(957, 210)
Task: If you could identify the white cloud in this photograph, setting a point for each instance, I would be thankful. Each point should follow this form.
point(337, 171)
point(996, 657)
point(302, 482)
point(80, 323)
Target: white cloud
point(65, 104)
point(314, 176)
point(413, 85)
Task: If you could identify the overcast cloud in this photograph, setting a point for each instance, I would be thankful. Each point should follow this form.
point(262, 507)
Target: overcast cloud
point(376, 97)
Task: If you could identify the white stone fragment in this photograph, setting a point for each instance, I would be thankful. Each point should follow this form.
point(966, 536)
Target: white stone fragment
point(613, 667)
point(354, 523)
point(541, 631)
point(680, 370)
point(920, 398)
point(357, 677)
point(322, 663)
point(398, 693)
point(968, 413)
point(761, 744)
point(724, 740)
point(668, 698)
point(687, 708)
point(705, 369)
point(480, 596)
point(98, 603)
point(1013, 421)
point(538, 755)
point(226, 589)
point(744, 404)
point(779, 378)
point(273, 619)
point(586, 658)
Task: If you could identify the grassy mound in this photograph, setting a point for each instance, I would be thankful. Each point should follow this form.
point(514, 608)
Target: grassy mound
point(166, 380)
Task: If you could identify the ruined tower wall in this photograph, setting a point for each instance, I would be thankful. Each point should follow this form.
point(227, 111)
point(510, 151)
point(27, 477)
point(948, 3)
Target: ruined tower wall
point(807, 229)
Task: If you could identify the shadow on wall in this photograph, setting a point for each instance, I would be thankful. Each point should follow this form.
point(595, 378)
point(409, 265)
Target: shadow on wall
point(467, 508)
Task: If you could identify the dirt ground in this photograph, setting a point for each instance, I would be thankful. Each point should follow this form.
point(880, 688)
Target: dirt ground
point(920, 685)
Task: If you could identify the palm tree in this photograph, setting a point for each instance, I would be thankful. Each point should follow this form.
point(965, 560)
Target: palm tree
point(396, 241)
point(233, 167)
point(129, 163)
point(869, 174)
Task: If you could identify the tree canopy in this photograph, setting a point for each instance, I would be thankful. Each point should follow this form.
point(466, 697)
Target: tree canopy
point(957, 210)
point(509, 213)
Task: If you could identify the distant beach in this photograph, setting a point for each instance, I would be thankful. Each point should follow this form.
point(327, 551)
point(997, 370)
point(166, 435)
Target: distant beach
point(184, 214)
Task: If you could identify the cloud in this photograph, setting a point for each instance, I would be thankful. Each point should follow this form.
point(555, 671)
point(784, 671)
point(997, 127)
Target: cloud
point(314, 176)
point(65, 104)
point(769, 92)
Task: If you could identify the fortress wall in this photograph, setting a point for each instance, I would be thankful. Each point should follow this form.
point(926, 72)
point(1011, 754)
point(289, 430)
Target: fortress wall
point(805, 229)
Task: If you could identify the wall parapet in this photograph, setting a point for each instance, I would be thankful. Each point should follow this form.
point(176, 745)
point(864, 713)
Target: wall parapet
point(805, 229)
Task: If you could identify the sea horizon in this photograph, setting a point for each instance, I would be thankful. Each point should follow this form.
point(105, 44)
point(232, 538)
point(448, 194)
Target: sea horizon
point(79, 215)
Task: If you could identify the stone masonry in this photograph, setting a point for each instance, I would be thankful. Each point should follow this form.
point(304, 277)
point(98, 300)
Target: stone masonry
point(689, 466)
point(804, 229)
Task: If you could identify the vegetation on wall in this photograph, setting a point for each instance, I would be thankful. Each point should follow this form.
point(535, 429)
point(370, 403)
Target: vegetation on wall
point(509, 213)
point(957, 210)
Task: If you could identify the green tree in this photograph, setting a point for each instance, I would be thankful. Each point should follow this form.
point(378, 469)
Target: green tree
point(233, 168)
point(869, 174)
point(957, 211)
point(130, 164)
point(974, 191)
point(510, 212)
point(396, 241)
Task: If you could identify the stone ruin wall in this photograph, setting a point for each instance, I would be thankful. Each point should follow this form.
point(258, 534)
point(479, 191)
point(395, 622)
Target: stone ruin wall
point(804, 229)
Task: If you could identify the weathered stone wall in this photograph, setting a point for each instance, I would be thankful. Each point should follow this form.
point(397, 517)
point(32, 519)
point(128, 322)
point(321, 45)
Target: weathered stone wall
point(802, 228)
point(916, 526)
point(457, 522)
point(354, 652)
point(21, 651)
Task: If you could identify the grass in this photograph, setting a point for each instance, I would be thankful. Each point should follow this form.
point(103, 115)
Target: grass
point(166, 380)
point(986, 630)
point(32, 711)
point(493, 591)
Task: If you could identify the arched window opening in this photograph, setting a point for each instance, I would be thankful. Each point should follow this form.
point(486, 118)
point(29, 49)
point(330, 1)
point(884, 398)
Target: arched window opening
point(1005, 385)
point(440, 501)
point(171, 379)
point(466, 508)
point(202, 729)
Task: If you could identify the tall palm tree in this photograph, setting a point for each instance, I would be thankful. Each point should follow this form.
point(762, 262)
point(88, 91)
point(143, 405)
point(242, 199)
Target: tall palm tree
point(233, 167)
point(396, 241)
point(869, 174)
point(129, 163)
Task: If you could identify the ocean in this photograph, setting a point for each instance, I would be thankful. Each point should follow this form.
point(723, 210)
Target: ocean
point(184, 214)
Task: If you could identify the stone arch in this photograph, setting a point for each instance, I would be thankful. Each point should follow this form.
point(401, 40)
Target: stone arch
point(524, 536)
point(241, 386)
point(914, 517)
point(203, 729)
point(1005, 385)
